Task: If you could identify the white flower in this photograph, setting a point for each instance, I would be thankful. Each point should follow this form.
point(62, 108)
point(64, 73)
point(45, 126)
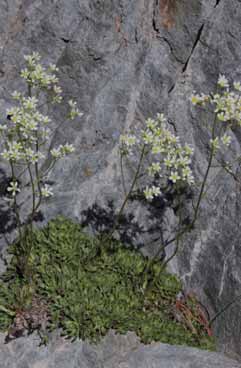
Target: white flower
point(161, 118)
point(148, 193)
point(45, 119)
point(154, 168)
point(32, 156)
point(31, 125)
point(57, 90)
point(189, 150)
point(57, 99)
point(33, 58)
point(13, 111)
point(147, 136)
point(62, 150)
point(190, 179)
point(53, 68)
point(151, 124)
point(187, 175)
point(56, 153)
point(16, 95)
point(24, 73)
point(13, 188)
point(6, 154)
point(222, 81)
point(174, 177)
point(226, 140)
point(46, 191)
point(156, 191)
point(221, 116)
point(237, 86)
point(74, 111)
point(194, 99)
point(66, 149)
point(72, 104)
point(45, 133)
point(156, 149)
point(199, 99)
point(183, 161)
point(128, 140)
point(30, 103)
point(215, 143)
point(3, 127)
point(14, 151)
point(168, 161)
point(151, 192)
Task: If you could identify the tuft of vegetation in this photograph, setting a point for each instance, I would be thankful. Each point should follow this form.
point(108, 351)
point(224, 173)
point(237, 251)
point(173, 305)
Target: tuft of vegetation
point(76, 283)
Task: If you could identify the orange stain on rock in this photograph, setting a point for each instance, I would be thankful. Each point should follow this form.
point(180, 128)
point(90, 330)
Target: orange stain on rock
point(167, 11)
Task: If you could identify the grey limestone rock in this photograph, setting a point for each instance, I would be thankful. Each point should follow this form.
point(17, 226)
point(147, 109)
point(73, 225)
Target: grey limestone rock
point(114, 351)
point(124, 61)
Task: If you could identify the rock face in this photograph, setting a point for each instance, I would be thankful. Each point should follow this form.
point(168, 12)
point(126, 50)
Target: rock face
point(124, 61)
point(115, 351)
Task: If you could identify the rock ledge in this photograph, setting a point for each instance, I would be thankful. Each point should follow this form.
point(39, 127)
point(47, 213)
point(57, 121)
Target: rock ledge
point(115, 351)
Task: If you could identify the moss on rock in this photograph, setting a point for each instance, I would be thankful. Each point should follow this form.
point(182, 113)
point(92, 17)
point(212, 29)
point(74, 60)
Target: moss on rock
point(87, 288)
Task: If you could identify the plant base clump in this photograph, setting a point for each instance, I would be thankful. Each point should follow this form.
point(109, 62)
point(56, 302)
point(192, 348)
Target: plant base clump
point(85, 287)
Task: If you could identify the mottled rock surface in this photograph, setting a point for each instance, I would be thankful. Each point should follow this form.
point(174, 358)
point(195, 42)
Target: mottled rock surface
point(124, 61)
point(115, 351)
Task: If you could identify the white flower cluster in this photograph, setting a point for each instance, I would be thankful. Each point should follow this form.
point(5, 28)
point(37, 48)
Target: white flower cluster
point(217, 142)
point(227, 103)
point(16, 152)
point(227, 107)
point(26, 119)
point(127, 142)
point(74, 111)
point(62, 150)
point(151, 192)
point(38, 76)
point(169, 160)
point(26, 132)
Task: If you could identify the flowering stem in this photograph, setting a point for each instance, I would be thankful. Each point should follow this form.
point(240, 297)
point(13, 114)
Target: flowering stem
point(122, 174)
point(127, 197)
point(37, 174)
point(33, 194)
point(24, 134)
point(211, 156)
point(190, 226)
point(16, 205)
point(36, 168)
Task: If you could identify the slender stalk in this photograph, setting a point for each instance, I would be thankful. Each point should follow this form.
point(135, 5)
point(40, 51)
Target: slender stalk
point(177, 240)
point(202, 188)
point(33, 191)
point(191, 225)
point(16, 205)
point(173, 254)
point(165, 262)
point(211, 156)
point(223, 310)
point(127, 197)
point(37, 175)
point(31, 176)
point(122, 174)
point(51, 166)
